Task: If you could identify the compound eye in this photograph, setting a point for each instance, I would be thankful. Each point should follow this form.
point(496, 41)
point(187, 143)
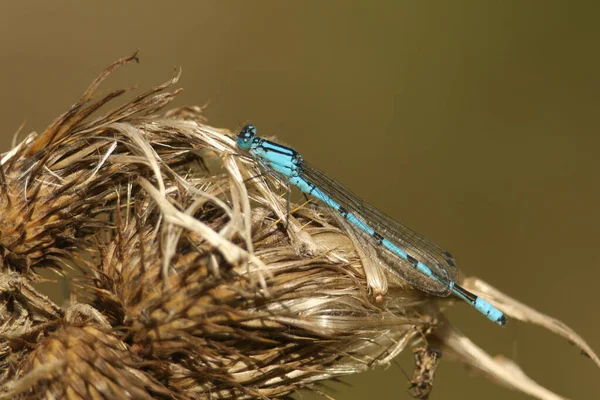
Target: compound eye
point(250, 130)
point(246, 136)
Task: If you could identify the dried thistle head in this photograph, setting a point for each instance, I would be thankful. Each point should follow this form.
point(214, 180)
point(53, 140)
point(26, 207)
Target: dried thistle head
point(255, 320)
point(57, 188)
point(88, 362)
point(196, 283)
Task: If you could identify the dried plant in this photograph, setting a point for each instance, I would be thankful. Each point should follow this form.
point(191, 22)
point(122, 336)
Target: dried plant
point(193, 281)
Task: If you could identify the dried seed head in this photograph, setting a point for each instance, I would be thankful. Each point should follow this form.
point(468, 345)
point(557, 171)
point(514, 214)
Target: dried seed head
point(58, 188)
point(84, 363)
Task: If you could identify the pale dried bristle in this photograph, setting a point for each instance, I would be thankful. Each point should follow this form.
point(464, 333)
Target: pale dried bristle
point(199, 284)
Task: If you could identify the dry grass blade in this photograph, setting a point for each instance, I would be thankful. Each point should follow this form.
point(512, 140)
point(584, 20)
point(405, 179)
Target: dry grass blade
point(517, 310)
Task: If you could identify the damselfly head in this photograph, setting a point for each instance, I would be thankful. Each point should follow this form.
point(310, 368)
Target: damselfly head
point(245, 137)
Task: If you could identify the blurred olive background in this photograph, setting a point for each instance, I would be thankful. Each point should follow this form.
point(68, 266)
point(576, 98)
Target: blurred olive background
point(475, 123)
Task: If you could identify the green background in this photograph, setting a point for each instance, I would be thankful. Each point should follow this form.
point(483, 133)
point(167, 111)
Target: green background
point(475, 123)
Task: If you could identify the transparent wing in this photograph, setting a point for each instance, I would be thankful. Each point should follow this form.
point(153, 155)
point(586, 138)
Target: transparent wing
point(417, 246)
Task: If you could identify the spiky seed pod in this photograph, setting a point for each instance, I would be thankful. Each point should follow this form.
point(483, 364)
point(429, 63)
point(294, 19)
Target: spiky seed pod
point(84, 362)
point(57, 188)
point(226, 339)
